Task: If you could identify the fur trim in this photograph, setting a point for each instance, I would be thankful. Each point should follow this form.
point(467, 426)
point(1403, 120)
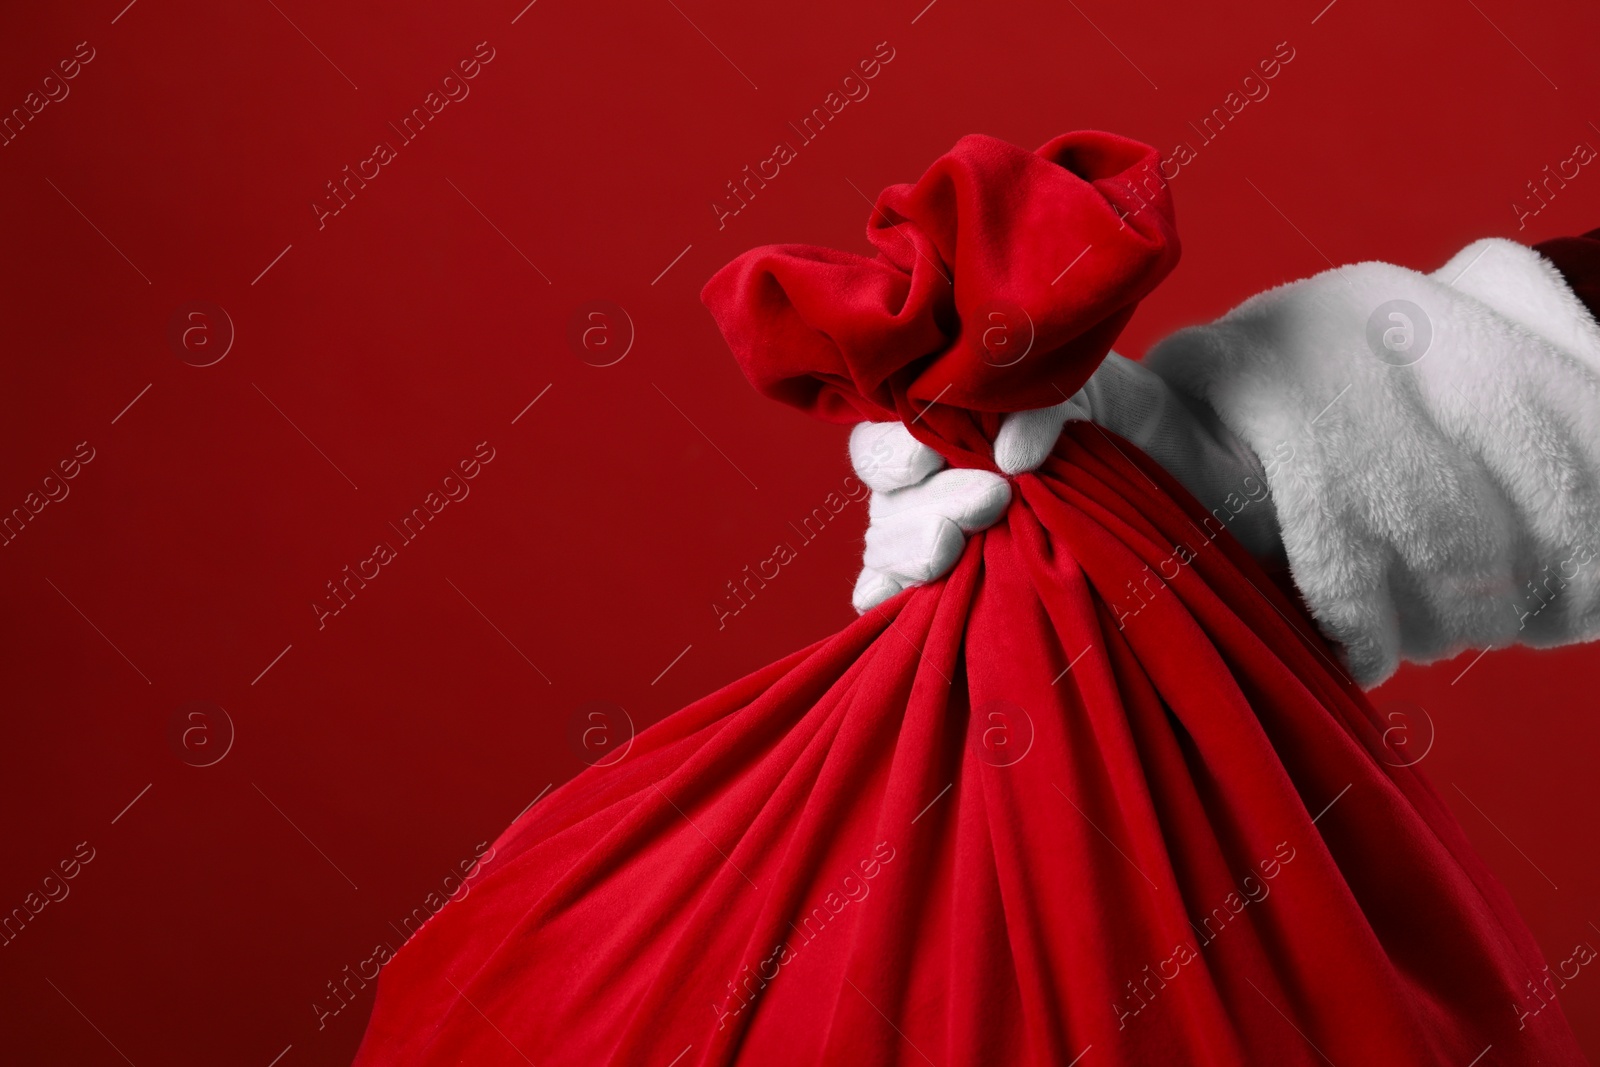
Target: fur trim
point(1437, 489)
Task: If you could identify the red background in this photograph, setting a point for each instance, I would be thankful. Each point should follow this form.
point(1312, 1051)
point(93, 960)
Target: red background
point(377, 752)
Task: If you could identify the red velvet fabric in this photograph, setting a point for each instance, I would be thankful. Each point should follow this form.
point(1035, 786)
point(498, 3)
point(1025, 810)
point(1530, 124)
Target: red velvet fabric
point(1101, 795)
point(1052, 248)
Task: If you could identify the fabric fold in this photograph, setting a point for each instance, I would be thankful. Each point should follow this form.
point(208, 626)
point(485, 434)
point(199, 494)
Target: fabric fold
point(1001, 279)
point(997, 820)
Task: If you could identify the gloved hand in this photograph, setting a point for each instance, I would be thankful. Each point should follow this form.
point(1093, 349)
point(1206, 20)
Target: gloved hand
point(920, 513)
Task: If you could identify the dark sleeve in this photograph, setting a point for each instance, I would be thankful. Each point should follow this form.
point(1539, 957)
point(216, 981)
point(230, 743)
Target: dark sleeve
point(1578, 260)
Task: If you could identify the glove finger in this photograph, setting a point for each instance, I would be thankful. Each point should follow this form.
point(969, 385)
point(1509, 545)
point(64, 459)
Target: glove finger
point(873, 587)
point(972, 499)
point(886, 457)
point(1026, 438)
point(914, 548)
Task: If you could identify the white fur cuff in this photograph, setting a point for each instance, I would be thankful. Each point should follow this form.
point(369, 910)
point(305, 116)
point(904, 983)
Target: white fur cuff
point(1432, 443)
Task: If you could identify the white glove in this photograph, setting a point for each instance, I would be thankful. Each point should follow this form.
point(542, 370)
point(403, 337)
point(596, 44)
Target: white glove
point(919, 519)
point(921, 513)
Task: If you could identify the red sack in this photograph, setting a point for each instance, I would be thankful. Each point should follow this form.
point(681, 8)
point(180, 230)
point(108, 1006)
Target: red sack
point(1099, 795)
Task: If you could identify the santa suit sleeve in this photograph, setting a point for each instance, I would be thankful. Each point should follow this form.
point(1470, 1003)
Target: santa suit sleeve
point(1432, 446)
